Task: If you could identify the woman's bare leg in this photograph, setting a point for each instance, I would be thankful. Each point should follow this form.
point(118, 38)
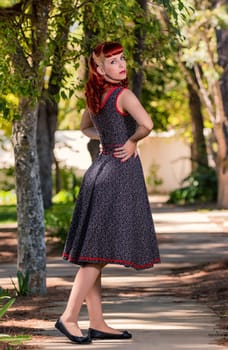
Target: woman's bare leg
point(84, 281)
point(94, 306)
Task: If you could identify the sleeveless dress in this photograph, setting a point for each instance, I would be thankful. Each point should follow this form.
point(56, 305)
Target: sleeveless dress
point(112, 221)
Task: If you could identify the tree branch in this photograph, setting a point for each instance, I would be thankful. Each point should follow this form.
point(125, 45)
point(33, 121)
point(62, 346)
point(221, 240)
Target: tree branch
point(216, 90)
point(188, 75)
point(204, 94)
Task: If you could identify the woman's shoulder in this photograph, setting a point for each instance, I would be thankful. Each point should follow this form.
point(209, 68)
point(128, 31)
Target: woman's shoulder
point(124, 99)
point(126, 94)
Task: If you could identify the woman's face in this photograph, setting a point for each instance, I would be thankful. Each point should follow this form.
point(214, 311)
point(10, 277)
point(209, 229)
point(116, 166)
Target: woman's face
point(114, 68)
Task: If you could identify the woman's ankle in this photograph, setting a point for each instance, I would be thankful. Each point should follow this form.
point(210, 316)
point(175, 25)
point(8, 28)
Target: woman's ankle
point(68, 319)
point(104, 328)
point(97, 324)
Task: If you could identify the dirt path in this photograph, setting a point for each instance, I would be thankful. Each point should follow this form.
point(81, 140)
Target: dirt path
point(198, 272)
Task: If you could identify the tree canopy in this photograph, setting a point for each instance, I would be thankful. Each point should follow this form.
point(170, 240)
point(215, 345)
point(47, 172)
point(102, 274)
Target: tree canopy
point(33, 59)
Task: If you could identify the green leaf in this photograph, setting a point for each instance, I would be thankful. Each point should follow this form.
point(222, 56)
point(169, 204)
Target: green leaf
point(180, 5)
point(14, 340)
point(64, 95)
point(6, 306)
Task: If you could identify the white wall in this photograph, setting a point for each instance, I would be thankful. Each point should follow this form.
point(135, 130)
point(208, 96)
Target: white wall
point(168, 151)
point(171, 154)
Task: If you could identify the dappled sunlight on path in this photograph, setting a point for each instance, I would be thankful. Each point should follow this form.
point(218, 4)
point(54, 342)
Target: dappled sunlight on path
point(146, 302)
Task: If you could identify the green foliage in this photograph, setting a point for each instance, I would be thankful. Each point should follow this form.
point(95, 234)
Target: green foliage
point(8, 3)
point(8, 213)
point(4, 293)
point(11, 340)
point(8, 107)
point(7, 305)
point(23, 284)
point(153, 180)
point(69, 184)
point(64, 196)
point(8, 197)
point(177, 10)
point(199, 51)
point(165, 95)
point(26, 68)
point(201, 187)
point(57, 220)
point(14, 340)
point(8, 173)
point(68, 180)
point(14, 79)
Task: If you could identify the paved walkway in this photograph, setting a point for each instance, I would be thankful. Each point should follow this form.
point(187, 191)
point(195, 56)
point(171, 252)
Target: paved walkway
point(161, 321)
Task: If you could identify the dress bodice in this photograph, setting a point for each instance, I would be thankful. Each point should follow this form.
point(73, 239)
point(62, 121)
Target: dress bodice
point(114, 127)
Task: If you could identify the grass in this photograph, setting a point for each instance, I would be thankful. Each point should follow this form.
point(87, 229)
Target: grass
point(8, 214)
point(57, 218)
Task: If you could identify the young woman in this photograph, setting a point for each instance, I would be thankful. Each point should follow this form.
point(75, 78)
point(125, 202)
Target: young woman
point(112, 221)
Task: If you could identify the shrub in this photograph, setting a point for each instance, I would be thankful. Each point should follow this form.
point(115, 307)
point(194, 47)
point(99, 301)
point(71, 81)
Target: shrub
point(153, 181)
point(7, 179)
point(64, 196)
point(23, 284)
point(8, 213)
point(57, 220)
point(8, 197)
point(201, 186)
point(67, 180)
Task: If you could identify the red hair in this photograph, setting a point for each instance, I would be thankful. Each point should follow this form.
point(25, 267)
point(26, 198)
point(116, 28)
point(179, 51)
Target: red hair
point(96, 84)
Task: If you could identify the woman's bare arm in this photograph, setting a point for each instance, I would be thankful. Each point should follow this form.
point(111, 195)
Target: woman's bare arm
point(128, 102)
point(87, 126)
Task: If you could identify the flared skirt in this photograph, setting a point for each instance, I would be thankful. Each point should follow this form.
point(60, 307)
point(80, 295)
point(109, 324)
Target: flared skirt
point(112, 221)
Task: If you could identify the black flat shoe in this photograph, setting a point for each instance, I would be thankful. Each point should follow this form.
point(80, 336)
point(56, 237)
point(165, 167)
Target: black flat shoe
point(95, 334)
point(78, 340)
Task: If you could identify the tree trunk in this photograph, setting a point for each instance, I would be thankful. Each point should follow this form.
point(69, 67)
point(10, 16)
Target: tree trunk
point(222, 165)
point(46, 126)
point(222, 40)
point(137, 73)
point(222, 189)
point(222, 45)
point(31, 242)
point(48, 107)
point(90, 33)
point(199, 150)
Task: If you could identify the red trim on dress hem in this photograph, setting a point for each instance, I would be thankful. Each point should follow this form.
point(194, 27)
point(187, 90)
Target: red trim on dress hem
point(81, 259)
